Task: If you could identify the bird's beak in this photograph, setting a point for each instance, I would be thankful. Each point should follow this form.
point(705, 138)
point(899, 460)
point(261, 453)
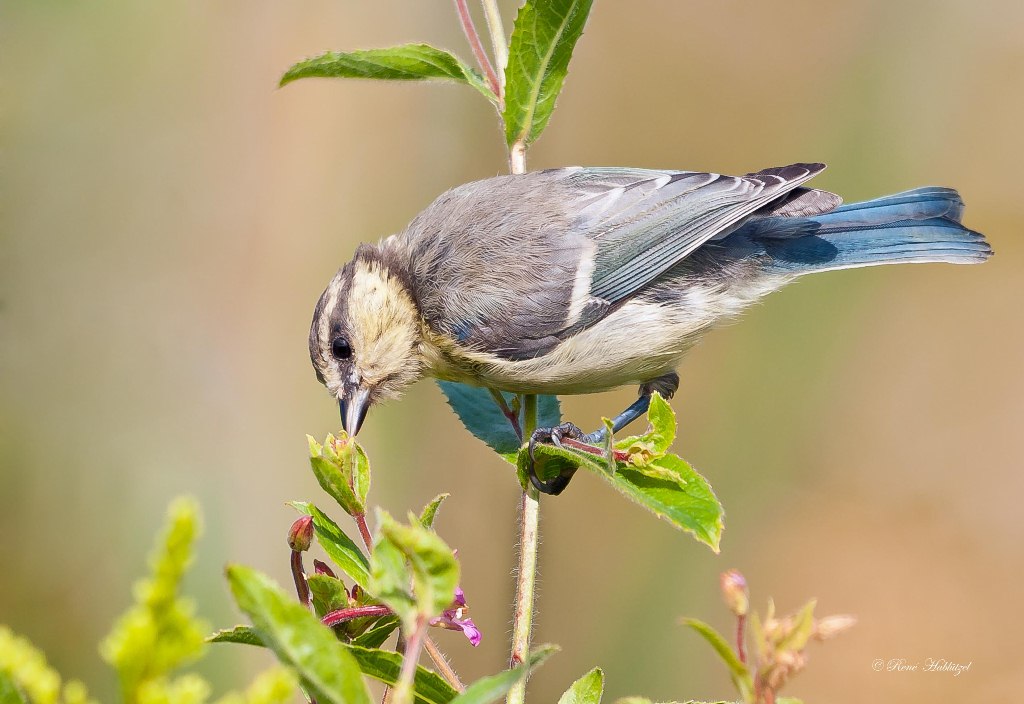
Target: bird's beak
point(353, 409)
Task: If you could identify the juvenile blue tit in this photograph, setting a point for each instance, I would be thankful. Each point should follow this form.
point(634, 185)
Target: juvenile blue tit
point(577, 280)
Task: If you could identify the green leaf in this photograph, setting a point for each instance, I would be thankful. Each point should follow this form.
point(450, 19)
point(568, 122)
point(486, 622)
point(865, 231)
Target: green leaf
point(343, 471)
point(338, 546)
point(239, 634)
point(375, 636)
point(803, 628)
point(586, 690)
point(543, 39)
point(663, 423)
point(298, 639)
point(667, 486)
point(476, 408)
point(328, 593)
point(489, 689)
point(384, 665)
point(738, 672)
point(434, 570)
point(430, 511)
point(409, 62)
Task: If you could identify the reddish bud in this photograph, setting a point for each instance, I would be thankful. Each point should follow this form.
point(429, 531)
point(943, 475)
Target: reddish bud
point(734, 591)
point(323, 568)
point(300, 535)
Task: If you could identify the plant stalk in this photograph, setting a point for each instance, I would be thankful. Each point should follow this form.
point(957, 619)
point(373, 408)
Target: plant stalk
point(299, 576)
point(498, 40)
point(478, 48)
point(403, 691)
point(526, 573)
point(444, 668)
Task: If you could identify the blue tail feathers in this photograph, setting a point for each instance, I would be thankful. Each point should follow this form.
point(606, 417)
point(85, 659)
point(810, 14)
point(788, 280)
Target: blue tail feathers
point(922, 225)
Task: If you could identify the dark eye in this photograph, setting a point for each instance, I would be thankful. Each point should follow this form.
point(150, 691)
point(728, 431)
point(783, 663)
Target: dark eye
point(340, 348)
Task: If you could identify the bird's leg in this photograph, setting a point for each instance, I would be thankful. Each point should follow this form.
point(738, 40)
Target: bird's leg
point(665, 385)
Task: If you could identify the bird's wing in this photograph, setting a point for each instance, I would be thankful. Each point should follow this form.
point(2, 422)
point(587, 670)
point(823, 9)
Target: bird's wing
point(644, 222)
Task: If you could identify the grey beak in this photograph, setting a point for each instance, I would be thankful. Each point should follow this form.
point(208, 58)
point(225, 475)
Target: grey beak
point(353, 410)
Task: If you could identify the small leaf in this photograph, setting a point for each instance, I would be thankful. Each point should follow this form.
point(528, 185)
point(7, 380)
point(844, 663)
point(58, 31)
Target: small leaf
point(430, 511)
point(478, 411)
point(245, 635)
point(298, 639)
point(328, 593)
point(738, 672)
point(543, 39)
point(586, 690)
point(409, 62)
point(663, 423)
point(343, 471)
point(489, 689)
point(434, 570)
point(803, 628)
point(338, 546)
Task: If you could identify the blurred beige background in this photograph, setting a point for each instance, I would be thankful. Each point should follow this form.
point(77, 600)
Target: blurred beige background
point(169, 219)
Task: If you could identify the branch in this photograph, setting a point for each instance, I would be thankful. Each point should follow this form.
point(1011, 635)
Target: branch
point(478, 50)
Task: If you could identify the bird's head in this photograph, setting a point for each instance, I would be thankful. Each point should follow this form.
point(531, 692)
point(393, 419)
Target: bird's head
point(365, 338)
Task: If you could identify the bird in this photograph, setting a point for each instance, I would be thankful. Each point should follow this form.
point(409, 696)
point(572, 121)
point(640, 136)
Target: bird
point(582, 279)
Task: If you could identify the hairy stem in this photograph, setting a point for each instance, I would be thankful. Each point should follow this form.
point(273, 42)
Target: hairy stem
point(741, 621)
point(498, 40)
point(478, 48)
point(403, 692)
point(364, 531)
point(526, 572)
point(444, 668)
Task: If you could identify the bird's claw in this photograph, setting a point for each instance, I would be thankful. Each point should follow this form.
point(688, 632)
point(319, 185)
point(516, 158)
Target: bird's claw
point(554, 436)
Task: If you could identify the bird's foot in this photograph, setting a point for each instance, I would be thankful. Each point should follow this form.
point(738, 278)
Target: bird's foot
point(555, 435)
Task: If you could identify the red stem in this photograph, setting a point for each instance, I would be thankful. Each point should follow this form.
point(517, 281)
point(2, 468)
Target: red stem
point(364, 530)
point(620, 455)
point(342, 615)
point(478, 48)
point(299, 575)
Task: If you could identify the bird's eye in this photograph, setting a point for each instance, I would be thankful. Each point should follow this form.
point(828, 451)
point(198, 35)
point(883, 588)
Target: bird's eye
point(340, 348)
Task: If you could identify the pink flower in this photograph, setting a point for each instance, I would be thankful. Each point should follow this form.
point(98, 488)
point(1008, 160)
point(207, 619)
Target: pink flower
point(455, 618)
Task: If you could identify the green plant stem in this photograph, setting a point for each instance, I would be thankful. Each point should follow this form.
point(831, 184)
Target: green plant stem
point(444, 668)
point(403, 692)
point(498, 39)
point(526, 573)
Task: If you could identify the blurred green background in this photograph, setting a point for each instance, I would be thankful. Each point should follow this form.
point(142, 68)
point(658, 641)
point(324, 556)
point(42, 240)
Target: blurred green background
point(169, 219)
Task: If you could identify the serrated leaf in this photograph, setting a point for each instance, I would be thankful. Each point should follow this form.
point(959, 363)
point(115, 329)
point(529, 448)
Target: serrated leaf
point(328, 593)
point(482, 417)
point(431, 563)
point(668, 487)
point(298, 639)
point(490, 689)
point(738, 672)
point(663, 423)
point(408, 62)
point(429, 512)
point(542, 43)
point(338, 546)
point(382, 665)
point(586, 690)
point(245, 635)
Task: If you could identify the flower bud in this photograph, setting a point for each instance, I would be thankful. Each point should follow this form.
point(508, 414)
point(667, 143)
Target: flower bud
point(323, 568)
point(734, 591)
point(300, 535)
point(832, 626)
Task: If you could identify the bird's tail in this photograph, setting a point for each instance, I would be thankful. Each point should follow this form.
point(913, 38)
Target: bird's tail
point(922, 225)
